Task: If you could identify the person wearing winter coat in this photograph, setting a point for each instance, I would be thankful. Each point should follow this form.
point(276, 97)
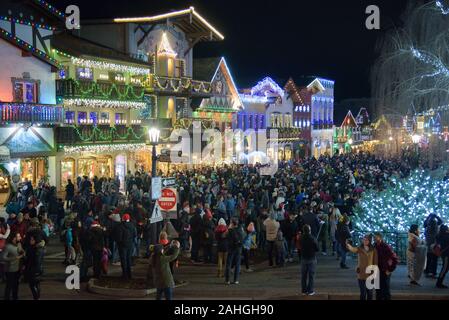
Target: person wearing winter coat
point(235, 236)
point(33, 267)
point(196, 227)
point(442, 240)
point(289, 229)
point(221, 236)
point(271, 227)
point(280, 249)
point(95, 238)
point(11, 256)
point(249, 242)
point(343, 234)
point(431, 226)
point(162, 276)
point(416, 255)
point(334, 217)
point(207, 237)
point(387, 261)
point(124, 235)
point(367, 256)
point(309, 248)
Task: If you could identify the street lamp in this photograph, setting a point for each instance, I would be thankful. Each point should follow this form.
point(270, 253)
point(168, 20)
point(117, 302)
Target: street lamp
point(390, 138)
point(154, 134)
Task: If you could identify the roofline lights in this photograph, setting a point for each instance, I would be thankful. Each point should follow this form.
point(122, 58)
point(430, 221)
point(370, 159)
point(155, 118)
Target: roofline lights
point(191, 10)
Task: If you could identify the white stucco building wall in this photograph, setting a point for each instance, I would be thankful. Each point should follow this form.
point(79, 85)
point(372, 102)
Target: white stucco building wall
point(13, 65)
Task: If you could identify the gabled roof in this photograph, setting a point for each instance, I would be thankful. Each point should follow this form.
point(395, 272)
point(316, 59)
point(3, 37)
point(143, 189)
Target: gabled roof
point(293, 90)
point(78, 47)
point(349, 120)
point(206, 69)
point(5, 35)
point(188, 20)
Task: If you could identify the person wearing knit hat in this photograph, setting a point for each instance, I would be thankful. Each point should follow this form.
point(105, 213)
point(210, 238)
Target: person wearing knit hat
point(249, 242)
point(208, 236)
point(125, 234)
point(221, 235)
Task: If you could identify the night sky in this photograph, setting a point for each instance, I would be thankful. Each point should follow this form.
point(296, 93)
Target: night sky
point(327, 38)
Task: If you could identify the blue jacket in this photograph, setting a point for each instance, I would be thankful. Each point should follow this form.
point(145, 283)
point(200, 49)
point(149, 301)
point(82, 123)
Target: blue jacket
point(248, 242)
point(69, 237)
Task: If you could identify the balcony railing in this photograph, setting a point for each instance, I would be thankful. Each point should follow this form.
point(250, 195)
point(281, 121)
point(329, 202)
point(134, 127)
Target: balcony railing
point(92, 134)
point(291, 133)
point(31, 113)
point(178, 86)
point(70, 88)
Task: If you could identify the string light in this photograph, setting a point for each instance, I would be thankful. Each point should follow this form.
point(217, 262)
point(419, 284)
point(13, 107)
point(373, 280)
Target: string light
point(97, 103)
point(28, 23)
point(165, 48)
point(108, 66)
point(50, 8)
point(261, 86)
point(406, 202)
point(101, 148)
point(441, 7)
point(26, 46)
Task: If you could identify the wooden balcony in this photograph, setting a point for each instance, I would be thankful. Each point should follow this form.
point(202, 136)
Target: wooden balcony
point(182, 87)
point(70, 88)
point(17, 112)
point(88, 134)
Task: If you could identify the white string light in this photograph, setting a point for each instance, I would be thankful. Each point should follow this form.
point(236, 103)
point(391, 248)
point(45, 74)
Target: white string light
point(105, 148)
point(97, 103)
point(109, 66)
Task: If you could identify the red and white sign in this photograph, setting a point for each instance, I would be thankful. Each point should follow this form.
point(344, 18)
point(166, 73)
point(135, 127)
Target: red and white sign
point(168, 199)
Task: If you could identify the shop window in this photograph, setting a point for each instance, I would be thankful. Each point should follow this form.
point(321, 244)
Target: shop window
point(33, 170)
point(25, 91)
point(67, 171)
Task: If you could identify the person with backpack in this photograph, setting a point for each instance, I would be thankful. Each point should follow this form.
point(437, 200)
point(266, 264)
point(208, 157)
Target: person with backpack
point(125, 233)
point(343, 234)
point(387, 261)
point(442, 245)
point(236, 235)
point(271, 227)
point(95, 239)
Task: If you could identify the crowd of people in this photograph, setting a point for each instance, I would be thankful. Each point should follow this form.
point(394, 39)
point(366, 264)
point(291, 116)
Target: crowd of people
point(225, 214)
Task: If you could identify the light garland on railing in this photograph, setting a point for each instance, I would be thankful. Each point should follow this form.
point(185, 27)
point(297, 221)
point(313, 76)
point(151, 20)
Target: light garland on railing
point(131, 147)
point(95, 88)
point(107, 135)
point(98, 103)
point(109, 66)
point(169, 84)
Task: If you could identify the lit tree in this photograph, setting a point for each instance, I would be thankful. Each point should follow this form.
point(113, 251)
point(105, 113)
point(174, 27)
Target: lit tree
point(412, 72)
point(406, 202)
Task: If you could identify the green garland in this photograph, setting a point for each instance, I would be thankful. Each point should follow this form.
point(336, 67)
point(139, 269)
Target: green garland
point(96, 89)
point(112, 132)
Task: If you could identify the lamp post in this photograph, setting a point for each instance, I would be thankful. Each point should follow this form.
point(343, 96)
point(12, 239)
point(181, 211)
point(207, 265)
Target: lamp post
point(154, 134)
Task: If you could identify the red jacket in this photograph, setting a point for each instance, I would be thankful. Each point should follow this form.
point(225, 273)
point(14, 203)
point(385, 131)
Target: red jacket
point(387, 259)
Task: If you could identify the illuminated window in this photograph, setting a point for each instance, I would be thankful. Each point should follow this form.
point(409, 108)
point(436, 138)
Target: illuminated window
point(84, 73)
point(25, 91)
